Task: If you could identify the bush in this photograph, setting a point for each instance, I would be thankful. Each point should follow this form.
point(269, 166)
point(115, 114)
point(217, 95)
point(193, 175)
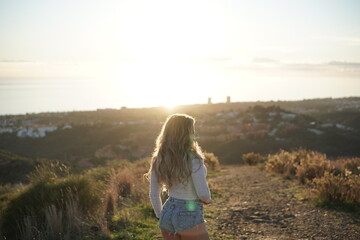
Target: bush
point(47, 171)
point(312, 165)
point(59, 224)
point(302, 164)
point(103, 201)
point(348, 164)
point(211, 161)
point(332, 181)
point(13, 168)
point(338, 188)
point(33, 200)
point(252, 158)
point(125, 186)
point(5, 193)
point(120, 185)
point(282, 163)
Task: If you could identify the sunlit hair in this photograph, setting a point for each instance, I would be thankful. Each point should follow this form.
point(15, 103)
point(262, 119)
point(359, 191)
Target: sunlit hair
point(174, 150)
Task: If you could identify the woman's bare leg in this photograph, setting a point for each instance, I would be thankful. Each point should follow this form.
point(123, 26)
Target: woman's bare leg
point(198, 232)
point(170, 236)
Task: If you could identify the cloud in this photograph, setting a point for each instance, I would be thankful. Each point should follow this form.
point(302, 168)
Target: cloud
point(16, 61)
point(207, 59)
point(326, 66)
point(264, 60)
point(37, 69)
point(260, 65)
point(270, 65)
point(350, 41)
point(344, 64)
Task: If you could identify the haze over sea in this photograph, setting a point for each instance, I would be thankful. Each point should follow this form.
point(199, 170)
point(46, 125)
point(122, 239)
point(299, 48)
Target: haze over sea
point(20, 96)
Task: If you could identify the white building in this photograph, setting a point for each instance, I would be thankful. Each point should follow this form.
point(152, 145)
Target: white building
point(35, 132)
point(117, 123)
point(272, 132)
point(271, 114)
point(316, 131)
point(326, 125)
point(287, 115)
point(67, 126)
point(340, 126)
point(6, 130)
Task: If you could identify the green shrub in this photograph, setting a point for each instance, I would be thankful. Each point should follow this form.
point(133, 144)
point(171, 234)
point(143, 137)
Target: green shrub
point(59, 224)
point(13, 168)
point(48, 170)
point(105, 201)
point(5, 189)
point(35, 198)
point(5, 194)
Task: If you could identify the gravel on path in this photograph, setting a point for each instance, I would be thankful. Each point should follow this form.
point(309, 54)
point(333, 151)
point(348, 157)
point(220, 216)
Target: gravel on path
point(250, 204)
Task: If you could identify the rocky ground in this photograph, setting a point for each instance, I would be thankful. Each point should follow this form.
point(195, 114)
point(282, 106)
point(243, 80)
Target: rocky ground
point(250, 204)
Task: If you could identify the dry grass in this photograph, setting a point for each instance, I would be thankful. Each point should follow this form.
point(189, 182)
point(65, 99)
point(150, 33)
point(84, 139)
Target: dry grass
point(338, 188)
point(312, 165)
point(125, 186)
point(103, 203)
point(211, 161)
point(282, 163)
point(60, 224)
point(348, 165)
point(252, 158)
point(331, 181)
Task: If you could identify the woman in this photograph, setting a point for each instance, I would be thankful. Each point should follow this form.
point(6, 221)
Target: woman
point(178, 165)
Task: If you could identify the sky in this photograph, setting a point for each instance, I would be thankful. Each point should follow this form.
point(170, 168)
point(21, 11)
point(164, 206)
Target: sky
point(87, 54)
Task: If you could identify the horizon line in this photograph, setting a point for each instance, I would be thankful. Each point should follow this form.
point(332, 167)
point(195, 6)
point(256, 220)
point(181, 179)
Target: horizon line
point(173, 107)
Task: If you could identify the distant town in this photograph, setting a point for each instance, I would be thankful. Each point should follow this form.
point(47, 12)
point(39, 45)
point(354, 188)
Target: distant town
point(30, 126)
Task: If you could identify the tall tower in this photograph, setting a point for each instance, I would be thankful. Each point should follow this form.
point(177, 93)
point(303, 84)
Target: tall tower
point(209, 100)
point(228, 99)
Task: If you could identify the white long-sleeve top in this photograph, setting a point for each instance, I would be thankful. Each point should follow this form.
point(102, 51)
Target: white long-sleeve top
point(196, 187)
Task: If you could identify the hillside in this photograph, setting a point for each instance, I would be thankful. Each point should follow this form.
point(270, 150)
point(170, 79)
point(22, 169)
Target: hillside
point(262, 207)
point(88, 139)
point(277, 198)
point(13, 168)
point(346, 118)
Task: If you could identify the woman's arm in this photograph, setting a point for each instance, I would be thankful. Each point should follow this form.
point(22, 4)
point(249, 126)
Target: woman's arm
point(199, 178)
point(154, 194)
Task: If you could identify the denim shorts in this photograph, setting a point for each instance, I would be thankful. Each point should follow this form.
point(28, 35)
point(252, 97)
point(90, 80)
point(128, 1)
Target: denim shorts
point(178, 215)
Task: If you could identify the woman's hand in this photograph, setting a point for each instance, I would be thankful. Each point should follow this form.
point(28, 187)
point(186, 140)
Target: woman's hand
point(206, 203)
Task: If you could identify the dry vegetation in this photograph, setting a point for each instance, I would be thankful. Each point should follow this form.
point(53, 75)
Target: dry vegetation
point(93, 205)
point(109, 202)
point(211, 161)
point(332, 181)
point(252, 158)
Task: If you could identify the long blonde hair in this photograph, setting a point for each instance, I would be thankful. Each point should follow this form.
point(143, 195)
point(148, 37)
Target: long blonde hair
point(174, 150)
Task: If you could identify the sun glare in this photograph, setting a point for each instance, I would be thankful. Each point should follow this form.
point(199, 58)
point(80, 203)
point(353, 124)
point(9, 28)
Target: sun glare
point(155, 34)
point(162, 46)
point(154, 83)
point(169, 106)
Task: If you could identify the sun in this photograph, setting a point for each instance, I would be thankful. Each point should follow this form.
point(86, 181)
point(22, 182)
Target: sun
point(159, 83)
point(170, 106)
point(161, 48)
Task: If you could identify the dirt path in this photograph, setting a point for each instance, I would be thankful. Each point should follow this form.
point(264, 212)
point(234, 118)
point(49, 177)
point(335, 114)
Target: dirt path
point(253, 205)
